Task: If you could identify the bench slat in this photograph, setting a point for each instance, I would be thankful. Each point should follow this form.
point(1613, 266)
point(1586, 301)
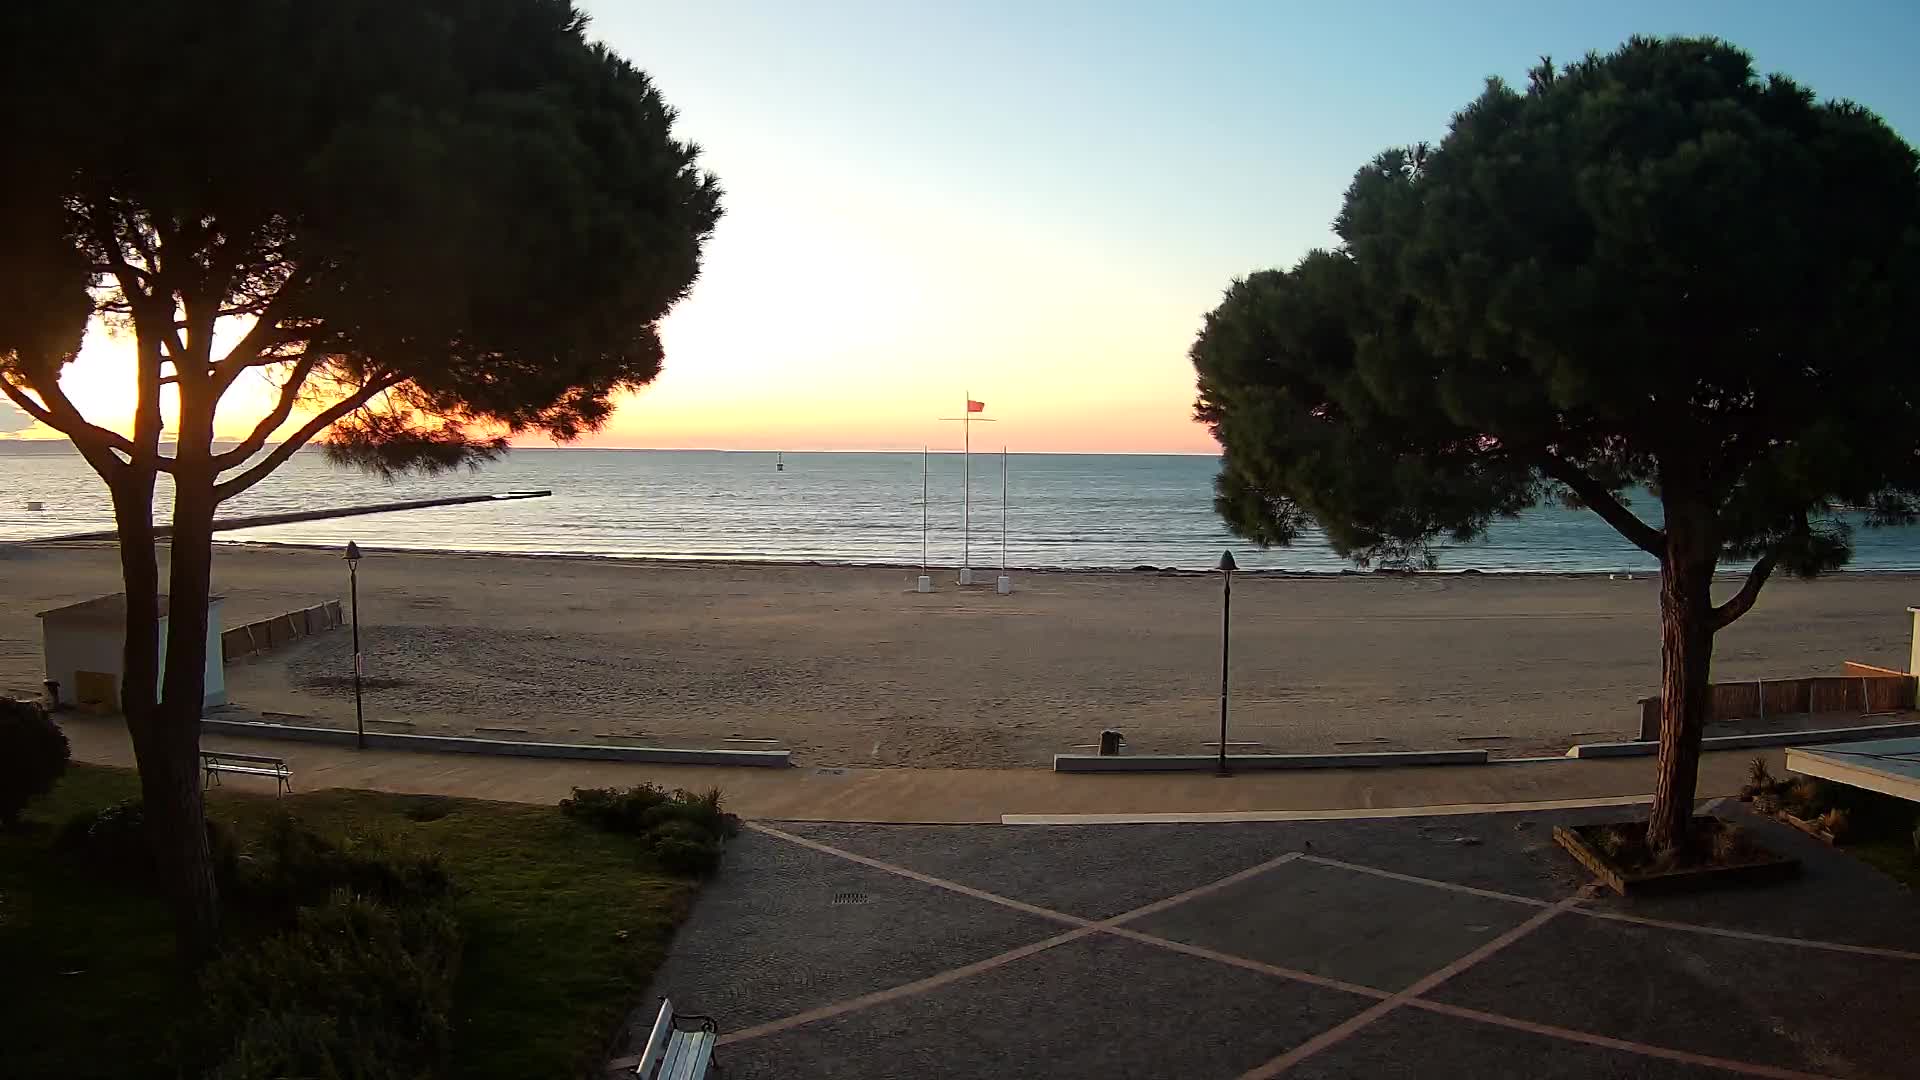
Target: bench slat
point(672, 1054)
point(676, 1053)
point(222, 755)
point(693, 1061)
point(656, 1041)
point(248, 770)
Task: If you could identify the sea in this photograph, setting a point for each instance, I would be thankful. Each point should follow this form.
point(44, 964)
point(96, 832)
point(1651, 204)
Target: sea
point(1026, 511)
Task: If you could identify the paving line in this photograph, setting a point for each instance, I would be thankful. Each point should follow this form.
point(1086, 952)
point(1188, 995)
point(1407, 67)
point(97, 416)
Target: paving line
point(1354, 1024)
point(1432, 883)
point(1260, 966)
point(1385, 1002)
point(1211, 887)
point(1086, 928)
point(924, 879)
point(1684, 1057)
point(1615, 916)
point(1748, 935)
point(918, 986)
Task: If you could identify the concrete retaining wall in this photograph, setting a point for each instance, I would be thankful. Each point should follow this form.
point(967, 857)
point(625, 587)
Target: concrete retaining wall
point(1741, 742)
point(1114, 763)
point(451, 744)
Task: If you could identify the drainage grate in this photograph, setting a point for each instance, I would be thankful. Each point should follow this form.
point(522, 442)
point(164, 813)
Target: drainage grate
point(841, 899)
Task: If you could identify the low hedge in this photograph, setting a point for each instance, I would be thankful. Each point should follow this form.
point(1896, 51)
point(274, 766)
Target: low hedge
point(358, 989)
point(682, 832)
point(33, 756)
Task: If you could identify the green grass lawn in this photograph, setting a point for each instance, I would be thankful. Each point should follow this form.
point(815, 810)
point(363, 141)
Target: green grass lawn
point(1892, 856)
point(562, 925)
point(1882, 832)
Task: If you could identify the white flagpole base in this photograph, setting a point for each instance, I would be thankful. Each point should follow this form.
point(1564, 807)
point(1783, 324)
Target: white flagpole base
point(1004, 585)
point(966, 575)
point(925, 584)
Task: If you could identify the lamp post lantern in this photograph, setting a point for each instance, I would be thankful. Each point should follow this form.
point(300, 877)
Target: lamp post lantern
point(1227, 567)
point(353, 592)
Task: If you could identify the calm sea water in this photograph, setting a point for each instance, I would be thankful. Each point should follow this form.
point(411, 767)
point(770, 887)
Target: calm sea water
point(1061, 511)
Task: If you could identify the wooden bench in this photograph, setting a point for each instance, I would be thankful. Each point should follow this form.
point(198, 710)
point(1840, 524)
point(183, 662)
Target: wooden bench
point(215, 762)
point(674, 1053)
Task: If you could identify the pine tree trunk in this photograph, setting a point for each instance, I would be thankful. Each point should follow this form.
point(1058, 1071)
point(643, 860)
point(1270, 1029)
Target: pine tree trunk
point(180, 832)
point(140, 579)
point(1686, 661)
point(176, 825)
point(165, 745)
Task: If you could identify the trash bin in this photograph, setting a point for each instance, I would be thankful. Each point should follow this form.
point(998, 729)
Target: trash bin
point(1110, 742)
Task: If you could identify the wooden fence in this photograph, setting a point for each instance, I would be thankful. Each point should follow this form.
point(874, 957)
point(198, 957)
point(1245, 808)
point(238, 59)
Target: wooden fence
point(280, 630)
point(1863, 689)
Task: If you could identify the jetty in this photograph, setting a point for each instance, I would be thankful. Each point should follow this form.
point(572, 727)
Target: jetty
point(290, 516)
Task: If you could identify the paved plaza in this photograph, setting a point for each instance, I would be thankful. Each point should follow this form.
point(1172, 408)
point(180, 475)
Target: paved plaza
point(1466, 946)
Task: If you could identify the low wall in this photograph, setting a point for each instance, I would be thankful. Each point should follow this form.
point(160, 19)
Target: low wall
point(451, 744)
point(1113, 763)
point(1863, 689)
point(279, 631)
point(1648, 748)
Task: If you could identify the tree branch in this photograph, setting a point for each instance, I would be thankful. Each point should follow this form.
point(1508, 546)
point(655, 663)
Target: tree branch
point(264, 334)
point(59, 414)
point(270, 423)
point(1742, 601)
point(1601, 501)
point(227, 489)
point(27, 405)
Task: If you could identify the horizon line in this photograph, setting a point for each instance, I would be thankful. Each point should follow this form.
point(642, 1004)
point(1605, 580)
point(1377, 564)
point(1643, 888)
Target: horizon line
point(15, 441)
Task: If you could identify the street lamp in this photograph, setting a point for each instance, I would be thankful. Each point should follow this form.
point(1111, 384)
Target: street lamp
point(353, 588)
point(1227, 567)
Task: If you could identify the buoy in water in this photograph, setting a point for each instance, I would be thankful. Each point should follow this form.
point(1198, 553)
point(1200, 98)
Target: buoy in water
point(36, 506)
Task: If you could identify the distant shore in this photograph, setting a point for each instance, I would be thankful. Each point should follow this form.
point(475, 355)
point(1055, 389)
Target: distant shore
point(849, 666)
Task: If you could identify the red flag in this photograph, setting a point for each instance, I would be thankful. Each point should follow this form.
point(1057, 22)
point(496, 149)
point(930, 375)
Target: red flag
point(976, 406)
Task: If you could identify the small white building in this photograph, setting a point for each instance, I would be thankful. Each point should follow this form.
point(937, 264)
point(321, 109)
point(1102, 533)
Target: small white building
point(84, 644)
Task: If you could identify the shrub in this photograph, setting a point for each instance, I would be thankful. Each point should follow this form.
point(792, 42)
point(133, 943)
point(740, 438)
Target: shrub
point(275, 1045)
point(357, 988)
point(1803, 797)
point(1728, 845)
point(681, 831)
point(612, 809)
point(1836, 821)
point(33, 755)
point(111, 836)
point(114, 839)
point(1613, 840)
point(681, 847)
point(291, 865)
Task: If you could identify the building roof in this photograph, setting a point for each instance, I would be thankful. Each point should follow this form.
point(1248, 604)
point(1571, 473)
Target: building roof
point(110, 610)
point(1890, 766)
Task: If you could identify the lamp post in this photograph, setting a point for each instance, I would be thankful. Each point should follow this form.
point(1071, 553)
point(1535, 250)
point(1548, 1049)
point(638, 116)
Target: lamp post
point(1227, 567)
point(353, 591)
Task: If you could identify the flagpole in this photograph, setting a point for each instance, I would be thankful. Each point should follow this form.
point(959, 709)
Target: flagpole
point(926, 456)
point(1003, 509)
point(966, 498)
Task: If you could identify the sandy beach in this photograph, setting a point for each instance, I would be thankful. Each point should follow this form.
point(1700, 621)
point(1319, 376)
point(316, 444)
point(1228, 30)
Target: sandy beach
point(848, 666)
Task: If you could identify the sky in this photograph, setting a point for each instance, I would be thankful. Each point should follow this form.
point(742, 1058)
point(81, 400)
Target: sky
point(1035, 204)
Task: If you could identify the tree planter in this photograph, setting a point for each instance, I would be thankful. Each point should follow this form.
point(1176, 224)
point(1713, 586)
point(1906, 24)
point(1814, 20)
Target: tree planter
point(1750, 866)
